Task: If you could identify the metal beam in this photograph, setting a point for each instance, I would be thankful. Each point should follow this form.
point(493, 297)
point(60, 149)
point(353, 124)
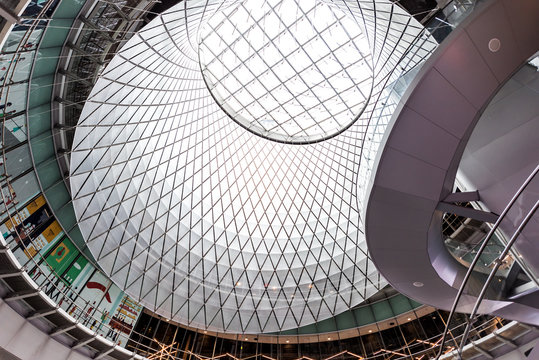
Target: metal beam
point(529, 327)
point(104, 353)
point(62, 329)
point(75, 77)
point(505, 340)
point(120, 12)
point(64, 127)
point(511, 278)
point(92, 26)
point(83, 342)
point(40, 313)
point(466, 196)
point(8, 14)
point(522, 290)
point(482, 351)
point(467, 212)
point(21, 295)
point(91, 57)
point(7, 274)
point(67, 102)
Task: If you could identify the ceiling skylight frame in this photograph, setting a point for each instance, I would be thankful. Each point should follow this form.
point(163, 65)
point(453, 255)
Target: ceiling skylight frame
point(283, 131)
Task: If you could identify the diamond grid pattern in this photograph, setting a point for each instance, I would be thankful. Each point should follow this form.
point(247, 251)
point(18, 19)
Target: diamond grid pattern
point(203, 222)
point(290, 71)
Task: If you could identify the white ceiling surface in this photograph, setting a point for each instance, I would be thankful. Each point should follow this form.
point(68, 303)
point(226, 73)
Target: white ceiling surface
point(208, 224)
point(403, 226)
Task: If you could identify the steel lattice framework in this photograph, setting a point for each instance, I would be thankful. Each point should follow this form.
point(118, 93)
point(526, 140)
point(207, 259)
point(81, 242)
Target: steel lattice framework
point(205, 222)
point(290, 71)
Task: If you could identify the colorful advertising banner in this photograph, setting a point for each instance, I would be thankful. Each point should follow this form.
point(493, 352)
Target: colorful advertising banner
point(22, 221)
point(32, 229)
point(123, 320)
point(59, 270)
point(97, 299)
point(41, 241)
point(62, 256)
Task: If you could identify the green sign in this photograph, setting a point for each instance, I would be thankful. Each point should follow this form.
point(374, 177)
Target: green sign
point(62, 256)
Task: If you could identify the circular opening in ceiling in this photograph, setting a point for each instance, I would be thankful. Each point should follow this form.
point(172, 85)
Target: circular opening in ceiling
point(289, 71)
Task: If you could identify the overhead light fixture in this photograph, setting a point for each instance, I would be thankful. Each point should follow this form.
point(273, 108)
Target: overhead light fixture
point(494, 45)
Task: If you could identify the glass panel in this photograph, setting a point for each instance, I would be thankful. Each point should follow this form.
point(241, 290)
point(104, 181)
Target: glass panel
point(273, 67)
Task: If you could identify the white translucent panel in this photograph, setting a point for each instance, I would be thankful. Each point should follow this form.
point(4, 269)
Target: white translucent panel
point(240, 233)
point(272, 66)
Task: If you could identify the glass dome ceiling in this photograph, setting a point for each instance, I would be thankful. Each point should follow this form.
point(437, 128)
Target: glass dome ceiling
point(289, 71)
point(206, 223)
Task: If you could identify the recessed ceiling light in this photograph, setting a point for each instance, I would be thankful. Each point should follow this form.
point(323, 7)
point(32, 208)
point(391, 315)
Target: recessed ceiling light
point(418, 284)
point(494, 44)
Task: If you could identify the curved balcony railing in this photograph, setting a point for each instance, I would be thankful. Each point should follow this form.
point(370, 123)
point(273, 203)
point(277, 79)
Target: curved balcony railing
point(496, 264)
point(32, 242)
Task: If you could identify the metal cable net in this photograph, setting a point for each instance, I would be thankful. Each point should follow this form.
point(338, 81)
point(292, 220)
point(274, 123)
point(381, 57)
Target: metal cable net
point(287, 70)
point(201, 220)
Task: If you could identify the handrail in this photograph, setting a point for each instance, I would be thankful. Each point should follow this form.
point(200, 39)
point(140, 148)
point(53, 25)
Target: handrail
point(35, 264)
point(480, 251)
point(498, 263)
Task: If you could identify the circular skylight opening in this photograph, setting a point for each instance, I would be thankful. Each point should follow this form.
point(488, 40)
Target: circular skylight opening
point(289, 71)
